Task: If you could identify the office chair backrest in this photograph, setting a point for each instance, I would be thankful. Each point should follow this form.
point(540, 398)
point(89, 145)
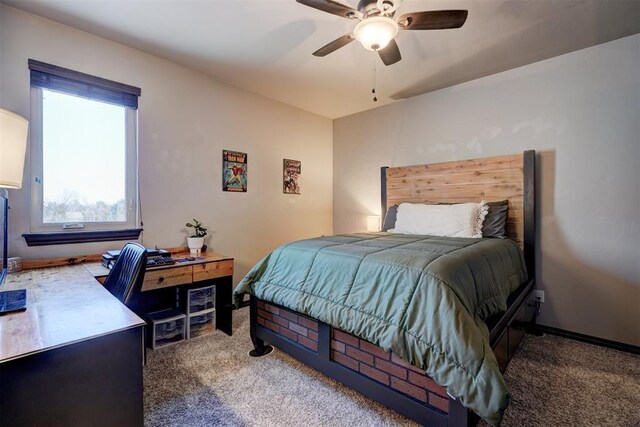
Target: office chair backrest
point(126, 277)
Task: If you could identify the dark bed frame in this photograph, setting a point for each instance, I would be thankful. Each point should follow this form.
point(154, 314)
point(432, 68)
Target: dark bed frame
point(318, 347)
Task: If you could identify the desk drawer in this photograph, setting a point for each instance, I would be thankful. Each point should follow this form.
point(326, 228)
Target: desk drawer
point(212, 270)
point(156, 279)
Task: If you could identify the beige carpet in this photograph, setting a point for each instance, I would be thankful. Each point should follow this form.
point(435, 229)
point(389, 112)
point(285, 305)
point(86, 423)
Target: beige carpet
point(211, 381)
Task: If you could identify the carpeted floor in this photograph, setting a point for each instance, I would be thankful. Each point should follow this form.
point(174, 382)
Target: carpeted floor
point(212, 381)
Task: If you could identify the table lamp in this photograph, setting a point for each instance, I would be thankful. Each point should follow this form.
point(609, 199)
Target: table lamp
point(373, 223)
point(13, 144)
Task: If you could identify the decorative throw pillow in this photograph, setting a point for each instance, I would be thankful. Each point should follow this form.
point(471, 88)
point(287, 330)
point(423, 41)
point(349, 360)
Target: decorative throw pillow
point(460, 220)
point(390, 218)
point(495, 223)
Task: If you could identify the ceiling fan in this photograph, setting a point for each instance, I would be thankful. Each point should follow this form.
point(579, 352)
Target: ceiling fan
point(378, 27)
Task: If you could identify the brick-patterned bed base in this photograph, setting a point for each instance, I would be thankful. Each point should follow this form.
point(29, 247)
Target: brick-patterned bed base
point(356, 354)
point(386, 368)
point(296, 327)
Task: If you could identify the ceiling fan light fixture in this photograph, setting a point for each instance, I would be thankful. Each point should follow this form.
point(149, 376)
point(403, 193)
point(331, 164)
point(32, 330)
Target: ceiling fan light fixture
point(375, 33)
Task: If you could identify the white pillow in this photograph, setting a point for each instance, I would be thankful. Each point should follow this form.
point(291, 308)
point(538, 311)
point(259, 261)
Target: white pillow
point(460, 220)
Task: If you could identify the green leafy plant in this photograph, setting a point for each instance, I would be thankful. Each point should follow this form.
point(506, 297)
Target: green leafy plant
point(198, 229)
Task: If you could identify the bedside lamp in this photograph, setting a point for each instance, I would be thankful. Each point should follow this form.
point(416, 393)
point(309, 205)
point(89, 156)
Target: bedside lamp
point(13, 144)
point(373, 223)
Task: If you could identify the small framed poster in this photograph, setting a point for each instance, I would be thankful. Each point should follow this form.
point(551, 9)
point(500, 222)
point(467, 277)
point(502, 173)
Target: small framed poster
point(234, 171)
point(291, 171)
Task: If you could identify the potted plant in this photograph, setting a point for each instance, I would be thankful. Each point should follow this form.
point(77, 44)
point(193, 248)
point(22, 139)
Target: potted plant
point(196, 240)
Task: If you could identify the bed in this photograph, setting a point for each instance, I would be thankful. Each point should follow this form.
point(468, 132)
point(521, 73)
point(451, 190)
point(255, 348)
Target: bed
point(430, 340)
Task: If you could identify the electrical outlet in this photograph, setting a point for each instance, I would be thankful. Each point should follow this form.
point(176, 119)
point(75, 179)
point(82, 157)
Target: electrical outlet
point(539, 295)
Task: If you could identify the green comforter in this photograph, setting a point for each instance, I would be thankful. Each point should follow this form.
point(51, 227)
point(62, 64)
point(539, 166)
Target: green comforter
point(422, 297)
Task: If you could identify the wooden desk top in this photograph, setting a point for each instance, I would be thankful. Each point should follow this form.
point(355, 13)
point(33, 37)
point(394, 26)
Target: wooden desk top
point(98, 270)
point(65, 305)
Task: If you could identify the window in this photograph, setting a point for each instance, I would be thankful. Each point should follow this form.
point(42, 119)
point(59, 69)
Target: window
point(83, 152)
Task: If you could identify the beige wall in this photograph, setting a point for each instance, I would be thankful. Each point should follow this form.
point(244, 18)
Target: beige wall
point(581, 112)
point(185, 120)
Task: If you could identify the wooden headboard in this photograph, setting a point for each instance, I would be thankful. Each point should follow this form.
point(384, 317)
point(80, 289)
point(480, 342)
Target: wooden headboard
point(490, 179)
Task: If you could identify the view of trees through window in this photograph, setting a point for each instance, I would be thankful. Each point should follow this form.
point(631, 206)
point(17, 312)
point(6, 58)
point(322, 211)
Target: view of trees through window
point(71, 208)
point(84, 160)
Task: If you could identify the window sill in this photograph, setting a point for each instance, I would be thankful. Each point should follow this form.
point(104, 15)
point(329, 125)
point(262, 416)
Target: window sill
point(70, 237)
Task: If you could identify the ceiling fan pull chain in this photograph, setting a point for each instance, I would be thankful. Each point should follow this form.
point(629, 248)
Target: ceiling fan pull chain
point(373, 91)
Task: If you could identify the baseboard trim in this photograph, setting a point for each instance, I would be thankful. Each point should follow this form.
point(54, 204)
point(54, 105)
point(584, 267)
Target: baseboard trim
point(629, 348)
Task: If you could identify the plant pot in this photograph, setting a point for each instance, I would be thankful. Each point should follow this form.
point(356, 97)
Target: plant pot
point(195, 244)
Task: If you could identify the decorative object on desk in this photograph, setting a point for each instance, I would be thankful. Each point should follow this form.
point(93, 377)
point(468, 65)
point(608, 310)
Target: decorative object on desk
point(234, 171)
point(291, 170)
point(13, 143)
point(14, 264)
point(196, 241)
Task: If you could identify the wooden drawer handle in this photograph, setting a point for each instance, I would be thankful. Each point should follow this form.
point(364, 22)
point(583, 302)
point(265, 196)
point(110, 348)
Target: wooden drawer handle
point(161, 279)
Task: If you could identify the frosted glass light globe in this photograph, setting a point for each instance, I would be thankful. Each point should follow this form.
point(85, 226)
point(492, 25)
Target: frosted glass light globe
point(376, 32)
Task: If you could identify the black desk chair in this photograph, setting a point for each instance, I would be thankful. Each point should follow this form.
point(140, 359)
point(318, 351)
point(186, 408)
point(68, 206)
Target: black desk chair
point(125, 278)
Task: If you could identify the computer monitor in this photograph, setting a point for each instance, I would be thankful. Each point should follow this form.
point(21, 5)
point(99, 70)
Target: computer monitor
point(4, 231)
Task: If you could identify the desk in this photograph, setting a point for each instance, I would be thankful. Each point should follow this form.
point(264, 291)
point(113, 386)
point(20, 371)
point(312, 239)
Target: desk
point(57, 360)
point(160, 283)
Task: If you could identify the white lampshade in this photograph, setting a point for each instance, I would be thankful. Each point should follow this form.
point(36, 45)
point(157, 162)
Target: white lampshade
point(376, 32)
point(373, 223)
point(13, 144)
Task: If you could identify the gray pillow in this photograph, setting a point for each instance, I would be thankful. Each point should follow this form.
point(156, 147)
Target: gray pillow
point(495, 222)
point(494, 225)
point(390, 218)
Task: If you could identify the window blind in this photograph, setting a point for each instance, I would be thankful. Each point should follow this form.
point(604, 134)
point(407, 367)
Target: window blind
point(52, 77)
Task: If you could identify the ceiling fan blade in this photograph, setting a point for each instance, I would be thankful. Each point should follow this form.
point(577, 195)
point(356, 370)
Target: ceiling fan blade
point(334, 45)
point(390, 54)
point(331, 6)
point(433, 20)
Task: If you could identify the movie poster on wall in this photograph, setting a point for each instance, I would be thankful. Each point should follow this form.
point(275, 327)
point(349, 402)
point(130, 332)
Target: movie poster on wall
point(291, 171)
point(234, 171)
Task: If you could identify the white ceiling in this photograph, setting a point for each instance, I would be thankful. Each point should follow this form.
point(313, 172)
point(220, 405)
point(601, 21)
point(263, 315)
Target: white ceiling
point(265, 46)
